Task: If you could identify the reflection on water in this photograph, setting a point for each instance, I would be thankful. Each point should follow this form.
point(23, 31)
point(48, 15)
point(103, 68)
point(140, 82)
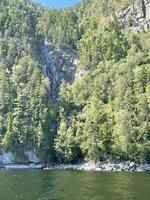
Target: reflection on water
point(73, 185)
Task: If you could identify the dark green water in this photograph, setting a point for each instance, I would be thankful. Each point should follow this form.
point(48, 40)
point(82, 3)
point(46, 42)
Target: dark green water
point(72, 185)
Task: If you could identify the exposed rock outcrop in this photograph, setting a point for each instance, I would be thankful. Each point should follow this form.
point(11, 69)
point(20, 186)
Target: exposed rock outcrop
point(108, 167)
point(59, 64)
point(9, 158)
point(90, 166)
point(136, 15)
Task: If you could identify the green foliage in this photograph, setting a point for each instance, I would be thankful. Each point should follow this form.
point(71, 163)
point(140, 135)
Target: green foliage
point(104, 114)
point(99, 45)
point(113, 116)
point(61, 27)
point(66, 145)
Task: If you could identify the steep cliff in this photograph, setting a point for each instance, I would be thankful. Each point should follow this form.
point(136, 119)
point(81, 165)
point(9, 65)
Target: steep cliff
point(61, 64)
point(101, 109)
point(136, 15)
point(58, 64)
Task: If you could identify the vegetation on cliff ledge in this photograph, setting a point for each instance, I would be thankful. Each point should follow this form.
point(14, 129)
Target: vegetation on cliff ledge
point(104, 114)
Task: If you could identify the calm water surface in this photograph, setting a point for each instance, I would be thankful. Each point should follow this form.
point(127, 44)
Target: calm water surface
point(72, 185)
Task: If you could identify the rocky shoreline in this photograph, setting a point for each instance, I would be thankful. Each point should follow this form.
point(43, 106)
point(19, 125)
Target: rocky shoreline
point(99, 167)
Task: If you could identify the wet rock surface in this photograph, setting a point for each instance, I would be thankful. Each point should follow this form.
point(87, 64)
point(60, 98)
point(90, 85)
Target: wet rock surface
point(108, 167)
point(99, 167)
point(58, 65)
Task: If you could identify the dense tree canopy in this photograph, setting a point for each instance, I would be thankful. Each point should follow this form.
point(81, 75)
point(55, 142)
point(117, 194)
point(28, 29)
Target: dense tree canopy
point(102, 115)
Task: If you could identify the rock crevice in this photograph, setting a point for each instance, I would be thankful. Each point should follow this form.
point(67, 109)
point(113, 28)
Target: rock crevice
point(136, 15)
point(58, 65)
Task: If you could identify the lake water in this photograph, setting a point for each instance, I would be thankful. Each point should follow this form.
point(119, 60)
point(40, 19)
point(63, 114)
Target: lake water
point(73, 185)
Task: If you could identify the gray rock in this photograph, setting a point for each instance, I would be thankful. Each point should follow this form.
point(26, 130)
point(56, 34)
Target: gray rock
point(58, 65)
point(137, 14)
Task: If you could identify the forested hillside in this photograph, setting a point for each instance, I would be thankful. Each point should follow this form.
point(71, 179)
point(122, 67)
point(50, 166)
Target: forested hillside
point(74, 83)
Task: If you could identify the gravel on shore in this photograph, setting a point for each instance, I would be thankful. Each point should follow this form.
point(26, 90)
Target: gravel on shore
point(90, 166)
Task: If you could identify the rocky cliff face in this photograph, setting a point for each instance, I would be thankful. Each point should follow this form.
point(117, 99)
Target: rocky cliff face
point(136, 15)
point(58, 65)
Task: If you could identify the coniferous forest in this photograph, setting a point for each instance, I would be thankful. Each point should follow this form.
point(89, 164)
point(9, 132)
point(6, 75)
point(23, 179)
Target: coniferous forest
point(104, 113)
